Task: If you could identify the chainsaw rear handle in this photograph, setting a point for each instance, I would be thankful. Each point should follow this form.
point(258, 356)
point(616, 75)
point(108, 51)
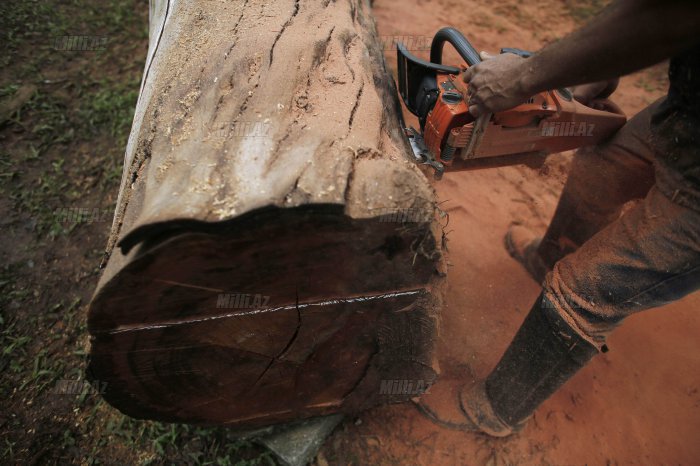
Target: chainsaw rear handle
point(458, 41)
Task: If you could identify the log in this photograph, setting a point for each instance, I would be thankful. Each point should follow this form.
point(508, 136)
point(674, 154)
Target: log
point(275, 254)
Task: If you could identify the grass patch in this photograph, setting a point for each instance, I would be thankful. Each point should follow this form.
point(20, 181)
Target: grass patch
point(62, 148)
point(110, 108)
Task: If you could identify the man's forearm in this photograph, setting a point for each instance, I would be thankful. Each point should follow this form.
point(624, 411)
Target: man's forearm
point(626, 36)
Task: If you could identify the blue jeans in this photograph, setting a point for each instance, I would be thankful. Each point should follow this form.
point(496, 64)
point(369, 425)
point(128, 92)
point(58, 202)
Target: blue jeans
point(625, 241)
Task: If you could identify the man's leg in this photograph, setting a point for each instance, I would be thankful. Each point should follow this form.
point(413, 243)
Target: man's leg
point(648, 257)
point(601, 180)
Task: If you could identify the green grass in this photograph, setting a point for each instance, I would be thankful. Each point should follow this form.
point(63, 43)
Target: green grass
point(22, 21)
point(52, 124)
point(63, 148)
point(111, 108)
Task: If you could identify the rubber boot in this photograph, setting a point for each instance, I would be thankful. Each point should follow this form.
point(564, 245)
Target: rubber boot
point(544, 354)
point(523, 245)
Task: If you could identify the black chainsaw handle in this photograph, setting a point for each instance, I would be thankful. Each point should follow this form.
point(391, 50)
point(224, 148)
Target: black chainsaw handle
point(458, 41)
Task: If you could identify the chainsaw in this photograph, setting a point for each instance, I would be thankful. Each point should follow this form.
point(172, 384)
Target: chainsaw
point(451, 139)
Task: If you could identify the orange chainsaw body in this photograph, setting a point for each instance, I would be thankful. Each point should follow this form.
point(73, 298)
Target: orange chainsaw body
point(450, 138)
point(549, 122)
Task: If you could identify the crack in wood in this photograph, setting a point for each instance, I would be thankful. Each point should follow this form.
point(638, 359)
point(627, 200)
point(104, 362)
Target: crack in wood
point(353, 12)
point(244, 105)
point(275, 152)
point(382, 128)
point(141, 154)
point(135, 170)
point(320, 50)
point(284, 27)
point(287, 346)
point(365, 372)
point(235, 29)
point(357, 104)
point(349, 40)
point(348, 182)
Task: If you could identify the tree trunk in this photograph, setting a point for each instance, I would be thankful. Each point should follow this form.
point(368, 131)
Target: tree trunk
point(275, 254)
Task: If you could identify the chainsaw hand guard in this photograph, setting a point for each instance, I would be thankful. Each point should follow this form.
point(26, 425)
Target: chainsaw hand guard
point(418, 82)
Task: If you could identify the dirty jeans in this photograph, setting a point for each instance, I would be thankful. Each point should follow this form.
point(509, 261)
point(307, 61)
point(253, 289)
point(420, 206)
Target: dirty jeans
point(620, 242)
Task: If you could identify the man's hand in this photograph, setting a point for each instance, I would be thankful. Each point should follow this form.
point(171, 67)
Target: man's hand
point(601, 50)
point(496, 83)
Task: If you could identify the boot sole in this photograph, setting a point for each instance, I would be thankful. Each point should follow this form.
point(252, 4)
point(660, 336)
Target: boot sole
point(477, 408)
point(522, 258)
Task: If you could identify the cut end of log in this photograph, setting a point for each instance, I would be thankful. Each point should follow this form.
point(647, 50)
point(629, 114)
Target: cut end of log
point(276, 315)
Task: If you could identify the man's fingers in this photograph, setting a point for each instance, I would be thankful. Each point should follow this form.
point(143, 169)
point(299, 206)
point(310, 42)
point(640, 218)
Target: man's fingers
point(467, 75)
point(485, 55)
point(475, 110)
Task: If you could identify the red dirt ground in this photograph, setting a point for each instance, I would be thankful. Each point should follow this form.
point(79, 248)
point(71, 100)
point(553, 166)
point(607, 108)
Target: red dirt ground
point(637, 404)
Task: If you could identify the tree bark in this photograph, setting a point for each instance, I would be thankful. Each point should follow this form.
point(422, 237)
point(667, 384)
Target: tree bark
point(275, 253)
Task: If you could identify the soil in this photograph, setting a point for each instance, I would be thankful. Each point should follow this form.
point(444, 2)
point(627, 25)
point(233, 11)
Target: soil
point(638, 403)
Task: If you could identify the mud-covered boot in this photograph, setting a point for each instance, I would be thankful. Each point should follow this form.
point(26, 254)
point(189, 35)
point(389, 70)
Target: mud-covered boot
point(523, 245)
point(544, 354)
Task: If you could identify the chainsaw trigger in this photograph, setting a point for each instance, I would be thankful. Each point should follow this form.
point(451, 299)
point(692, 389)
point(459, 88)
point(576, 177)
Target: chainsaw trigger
point(477, 135)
